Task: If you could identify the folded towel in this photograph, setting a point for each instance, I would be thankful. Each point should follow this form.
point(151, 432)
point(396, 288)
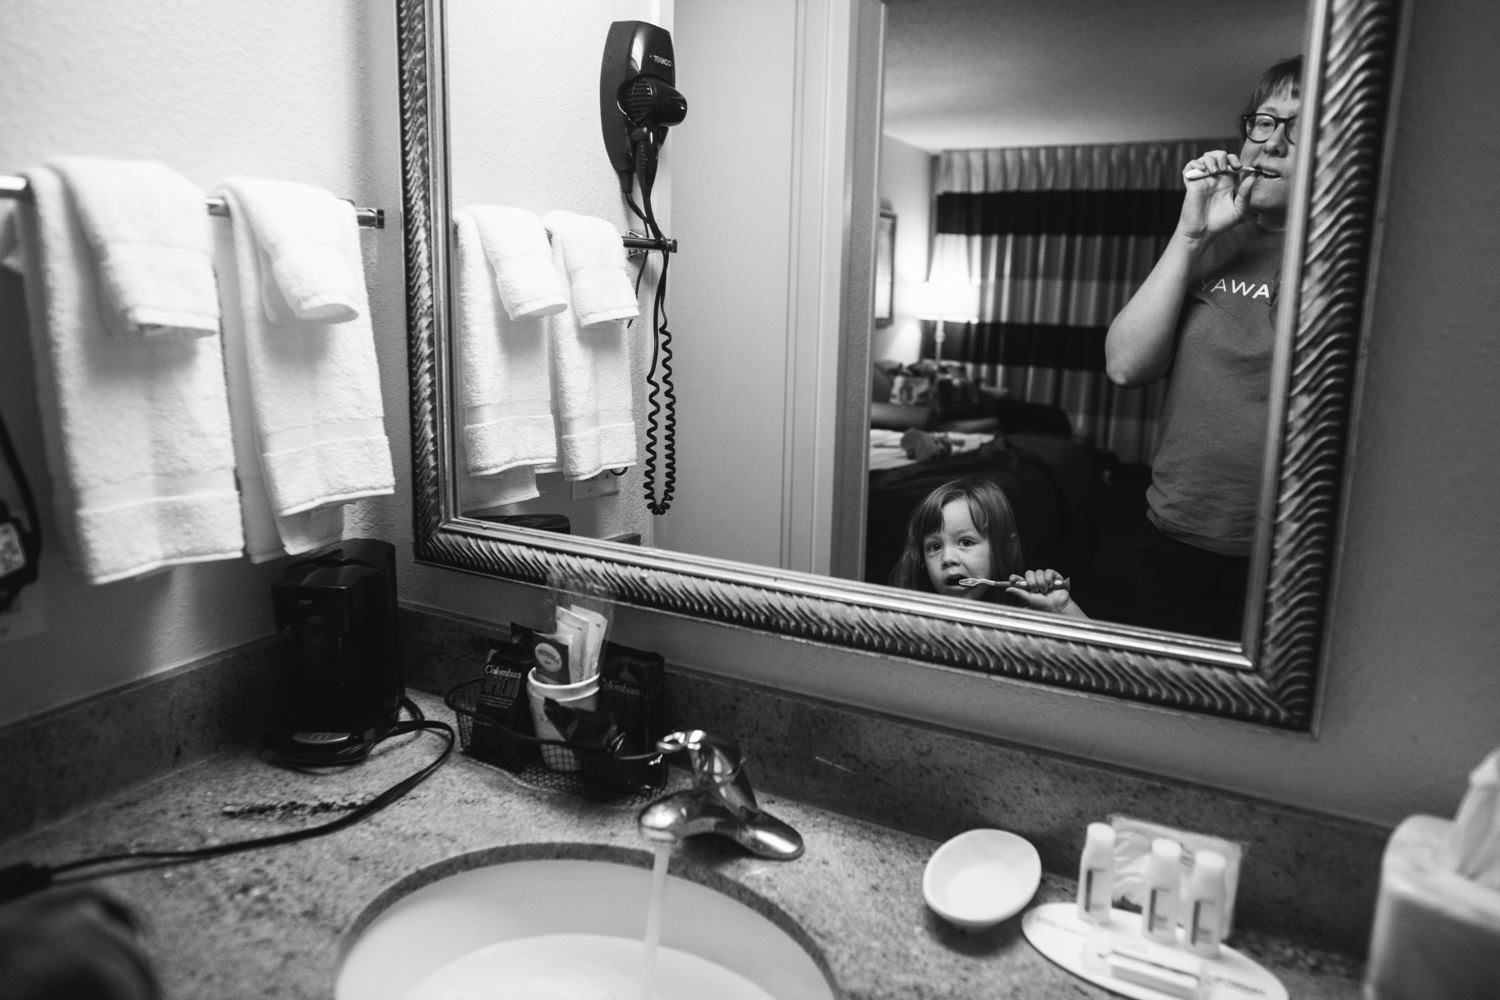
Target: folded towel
point(136, 429)
point(593, 374)
point(507, 432)
point(518, 251)
point(305, 395)
point(148, 229)
point(310, 269)
point(594, 263)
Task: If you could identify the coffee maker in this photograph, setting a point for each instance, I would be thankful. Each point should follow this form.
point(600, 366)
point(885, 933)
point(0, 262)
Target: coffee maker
point(339, 683)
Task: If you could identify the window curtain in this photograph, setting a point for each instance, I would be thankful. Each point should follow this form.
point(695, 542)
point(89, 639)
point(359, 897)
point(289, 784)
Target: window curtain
point(1058, 238)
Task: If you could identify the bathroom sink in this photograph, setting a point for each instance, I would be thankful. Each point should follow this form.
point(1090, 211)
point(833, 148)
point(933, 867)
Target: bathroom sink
point(570, 928)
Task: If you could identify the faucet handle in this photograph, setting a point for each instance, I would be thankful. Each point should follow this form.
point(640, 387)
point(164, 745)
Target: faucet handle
point(720, 801)
point(715, 759)
point(717, 767)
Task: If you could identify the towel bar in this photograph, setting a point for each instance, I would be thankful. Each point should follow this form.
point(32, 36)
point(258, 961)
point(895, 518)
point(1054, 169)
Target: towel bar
point(634, 242)
point(16, 188)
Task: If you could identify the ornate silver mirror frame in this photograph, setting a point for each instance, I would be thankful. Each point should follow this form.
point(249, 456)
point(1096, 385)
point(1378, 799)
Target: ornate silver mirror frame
point(1272, 679)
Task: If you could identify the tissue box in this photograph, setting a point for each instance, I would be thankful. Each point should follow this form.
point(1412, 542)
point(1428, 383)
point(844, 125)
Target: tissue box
point(1437, 934)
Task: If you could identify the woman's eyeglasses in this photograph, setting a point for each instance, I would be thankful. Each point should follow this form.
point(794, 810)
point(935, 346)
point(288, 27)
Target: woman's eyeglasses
point(1259, 128)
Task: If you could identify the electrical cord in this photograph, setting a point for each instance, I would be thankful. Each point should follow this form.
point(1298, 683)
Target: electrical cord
point(661, 399)
point(25, 878)
point(661, 447)
point(630, 201)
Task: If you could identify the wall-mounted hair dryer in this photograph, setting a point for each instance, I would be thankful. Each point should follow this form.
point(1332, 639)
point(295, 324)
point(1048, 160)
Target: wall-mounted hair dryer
point(637, 99)
point(637, 103)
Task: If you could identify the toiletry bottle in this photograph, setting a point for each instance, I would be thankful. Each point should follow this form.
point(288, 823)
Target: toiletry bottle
point(1096, 874)
point(1205, 904)
point(1163, 879)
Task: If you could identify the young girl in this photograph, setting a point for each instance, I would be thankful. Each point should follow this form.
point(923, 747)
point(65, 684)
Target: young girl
point(965, 530)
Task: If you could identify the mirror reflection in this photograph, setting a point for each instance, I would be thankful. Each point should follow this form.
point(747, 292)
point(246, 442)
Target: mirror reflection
point(1064, 179)
point(521, 358)
point(1033, 169)
point(775, 291)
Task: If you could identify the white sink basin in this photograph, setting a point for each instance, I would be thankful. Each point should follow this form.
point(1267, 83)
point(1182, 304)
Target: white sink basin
point(472, 932)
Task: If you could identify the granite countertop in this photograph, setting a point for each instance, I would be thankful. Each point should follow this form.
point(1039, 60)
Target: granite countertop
point(273, 921)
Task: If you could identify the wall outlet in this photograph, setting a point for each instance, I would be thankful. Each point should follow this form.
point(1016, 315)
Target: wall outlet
point(603, 485)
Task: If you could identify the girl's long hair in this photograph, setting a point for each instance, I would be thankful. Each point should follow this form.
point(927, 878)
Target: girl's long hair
point(992, 516)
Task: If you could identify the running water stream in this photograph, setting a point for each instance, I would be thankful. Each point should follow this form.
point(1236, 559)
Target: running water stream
point(653, 919)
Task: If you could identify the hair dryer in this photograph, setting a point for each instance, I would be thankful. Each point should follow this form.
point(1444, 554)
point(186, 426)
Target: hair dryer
point(637, 103)
point(637, 99)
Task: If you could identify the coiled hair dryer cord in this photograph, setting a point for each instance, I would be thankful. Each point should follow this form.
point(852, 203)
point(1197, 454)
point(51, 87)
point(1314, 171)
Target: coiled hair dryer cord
point(661, 400)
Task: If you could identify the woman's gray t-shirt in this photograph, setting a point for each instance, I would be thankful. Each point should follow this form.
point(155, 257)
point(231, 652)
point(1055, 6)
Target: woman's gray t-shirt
point(1206, 474)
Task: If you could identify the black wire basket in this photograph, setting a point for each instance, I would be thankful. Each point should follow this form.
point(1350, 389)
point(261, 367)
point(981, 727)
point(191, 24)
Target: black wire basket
point(604, 771)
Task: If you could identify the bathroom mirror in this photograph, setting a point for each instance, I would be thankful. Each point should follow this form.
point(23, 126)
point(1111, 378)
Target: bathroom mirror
point(1269, 678)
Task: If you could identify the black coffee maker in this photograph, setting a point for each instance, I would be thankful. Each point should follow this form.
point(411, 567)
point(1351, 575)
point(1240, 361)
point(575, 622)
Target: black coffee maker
point(339, 685)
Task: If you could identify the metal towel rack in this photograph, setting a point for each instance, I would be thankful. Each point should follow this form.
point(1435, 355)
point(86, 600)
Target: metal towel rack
point(634, 242)
point(16, 189)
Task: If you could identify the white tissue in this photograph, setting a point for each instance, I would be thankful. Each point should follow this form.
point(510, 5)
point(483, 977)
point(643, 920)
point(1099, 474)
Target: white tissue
point(1437, 916)
point(1436, 933)
point(1473, 846)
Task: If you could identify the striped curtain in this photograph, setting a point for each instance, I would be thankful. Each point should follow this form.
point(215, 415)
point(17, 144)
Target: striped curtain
point(1059, 238)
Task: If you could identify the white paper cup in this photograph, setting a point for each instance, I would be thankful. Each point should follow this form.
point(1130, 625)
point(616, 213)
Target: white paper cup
point(583, 695)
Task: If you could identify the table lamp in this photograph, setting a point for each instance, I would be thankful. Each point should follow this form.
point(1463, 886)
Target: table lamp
point(943, 301)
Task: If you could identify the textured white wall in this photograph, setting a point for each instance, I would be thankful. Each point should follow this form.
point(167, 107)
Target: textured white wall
point(524, 104)
point(269, 88)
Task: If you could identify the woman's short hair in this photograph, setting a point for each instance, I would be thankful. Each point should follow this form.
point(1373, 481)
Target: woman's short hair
point(1284, 77)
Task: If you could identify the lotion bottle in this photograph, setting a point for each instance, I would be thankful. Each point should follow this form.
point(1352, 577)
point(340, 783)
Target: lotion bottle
point(1163, 881)
point(1205, 904)
point(1096, 874)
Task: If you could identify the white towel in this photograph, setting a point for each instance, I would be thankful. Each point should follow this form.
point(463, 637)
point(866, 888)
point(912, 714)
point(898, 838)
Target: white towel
point(310, 269)
point(518, 251)
point(596, 268)
point(308, 417)
point(136, 429)
point(148, 229)
point(592, 380)
point(507, 432)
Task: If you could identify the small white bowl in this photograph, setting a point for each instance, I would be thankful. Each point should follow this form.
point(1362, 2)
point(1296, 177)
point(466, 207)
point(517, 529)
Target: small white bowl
point(981, 877)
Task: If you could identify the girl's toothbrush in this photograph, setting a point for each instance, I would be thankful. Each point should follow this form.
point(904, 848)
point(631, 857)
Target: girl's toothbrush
point(1017, 581)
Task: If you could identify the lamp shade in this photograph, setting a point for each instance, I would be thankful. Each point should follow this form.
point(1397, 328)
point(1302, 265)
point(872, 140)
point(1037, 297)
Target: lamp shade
point(947, 300)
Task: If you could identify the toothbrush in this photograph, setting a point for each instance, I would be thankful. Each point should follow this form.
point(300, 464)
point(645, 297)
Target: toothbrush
point(1240, 171)
point(1017, 580)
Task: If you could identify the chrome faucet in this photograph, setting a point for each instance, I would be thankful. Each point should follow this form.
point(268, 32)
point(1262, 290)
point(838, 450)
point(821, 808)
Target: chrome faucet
point(720, 801)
